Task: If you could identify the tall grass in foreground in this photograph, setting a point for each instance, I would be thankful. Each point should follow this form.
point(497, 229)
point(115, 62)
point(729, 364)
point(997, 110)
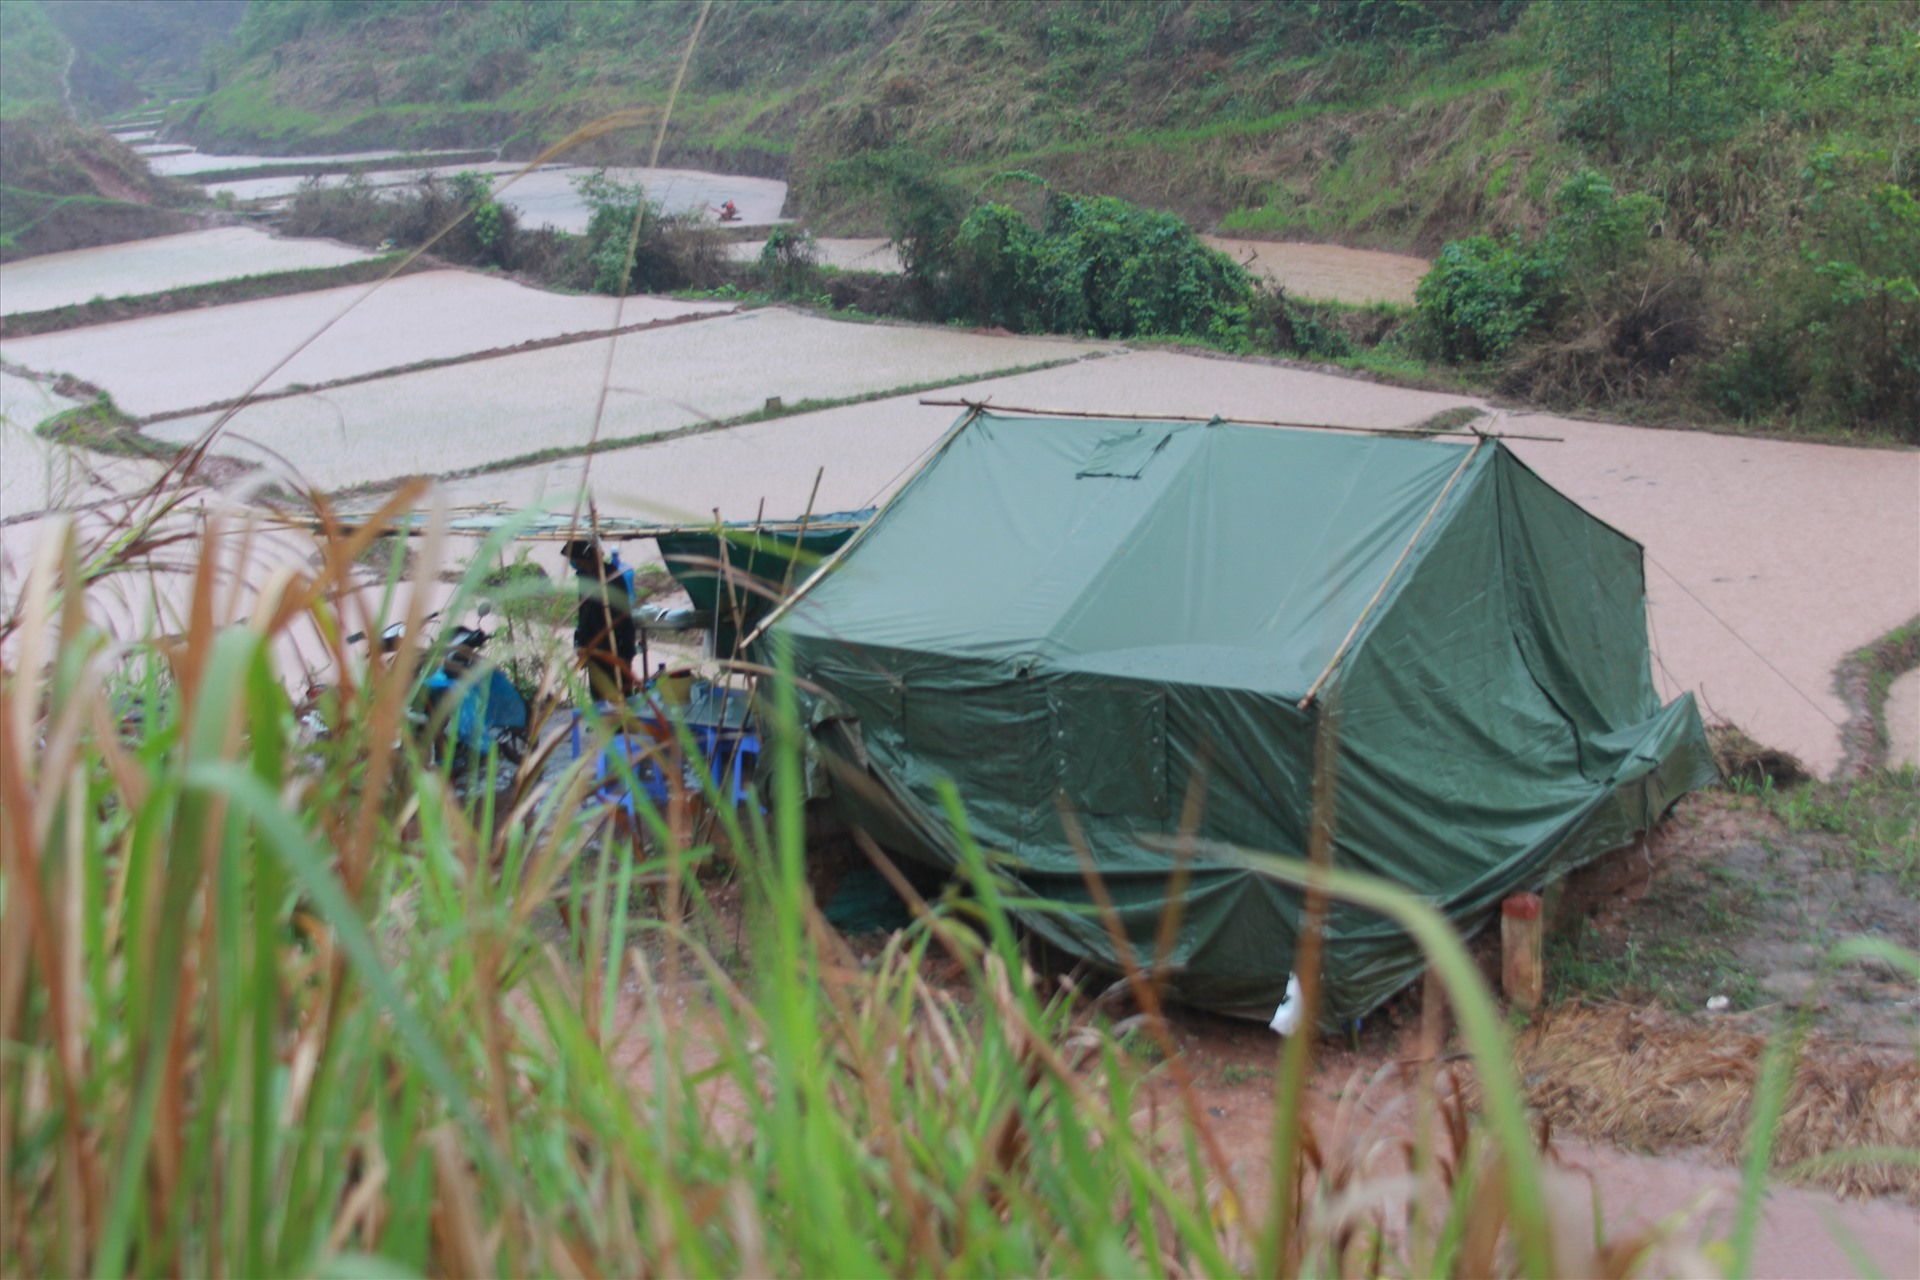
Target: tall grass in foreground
point(271, 1006)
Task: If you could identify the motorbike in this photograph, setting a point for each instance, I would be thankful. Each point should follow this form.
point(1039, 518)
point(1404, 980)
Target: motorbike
point(473, 715)
point(461, 714)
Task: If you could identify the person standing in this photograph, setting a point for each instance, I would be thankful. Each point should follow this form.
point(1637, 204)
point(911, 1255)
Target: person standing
point(604, 638)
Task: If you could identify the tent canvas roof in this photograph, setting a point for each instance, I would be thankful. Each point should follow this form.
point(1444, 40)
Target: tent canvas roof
point(1210, 553)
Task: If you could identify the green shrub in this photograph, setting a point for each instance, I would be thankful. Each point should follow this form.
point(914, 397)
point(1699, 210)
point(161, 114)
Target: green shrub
point(1863, 305)
point(1098, 265)
point(668, 251)
point(1293, 327)
point(1481, 296)
point(790, 261)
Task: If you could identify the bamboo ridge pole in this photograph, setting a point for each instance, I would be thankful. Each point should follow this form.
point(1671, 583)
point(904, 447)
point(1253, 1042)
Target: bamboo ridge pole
point(1414, 432)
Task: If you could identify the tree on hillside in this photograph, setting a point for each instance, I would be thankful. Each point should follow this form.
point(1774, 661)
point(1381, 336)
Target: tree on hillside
point(1639, 75)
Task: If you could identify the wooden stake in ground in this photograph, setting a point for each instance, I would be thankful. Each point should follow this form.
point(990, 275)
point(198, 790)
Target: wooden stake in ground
point(1520, 937)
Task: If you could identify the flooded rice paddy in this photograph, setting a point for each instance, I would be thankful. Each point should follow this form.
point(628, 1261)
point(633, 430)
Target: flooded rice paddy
point(279, 187)
point(1328, 271)
point(547, 198)
point(154, 266)
point(465, 415)
point(185, 162)
point(1768, 562)
point(846, 253)
point(192, 359)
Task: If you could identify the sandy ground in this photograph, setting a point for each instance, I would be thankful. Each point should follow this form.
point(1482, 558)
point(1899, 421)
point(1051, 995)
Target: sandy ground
point(850, 254)
point(190, 359)
point(1328, 271)
point(1800, 552)
point(547, 198)
point(165, 262)
point(1903, 721)
point(443, 419)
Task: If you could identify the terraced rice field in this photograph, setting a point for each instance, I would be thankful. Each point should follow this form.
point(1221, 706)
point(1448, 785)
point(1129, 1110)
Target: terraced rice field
point(193, 359)
point(156, 265)
point(465, 415)
point(187, 162)
point(1328, 271)
point(547, 197)
point(280, 186)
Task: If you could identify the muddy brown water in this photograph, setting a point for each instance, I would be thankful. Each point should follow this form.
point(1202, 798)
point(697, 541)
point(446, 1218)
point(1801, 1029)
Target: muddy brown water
point(1328, 271)
point(1318, 271)
point(664, 379)
point(164, 262)
point(189, 359)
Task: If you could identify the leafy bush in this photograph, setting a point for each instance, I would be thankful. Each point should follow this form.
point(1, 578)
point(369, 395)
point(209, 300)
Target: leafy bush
point(1293, 327)
point(1097, 265)
point(1863, 312)
point(790, 261)
point(1481, 296)
point(1838, 337)
point(459, 218)
point(668, 251)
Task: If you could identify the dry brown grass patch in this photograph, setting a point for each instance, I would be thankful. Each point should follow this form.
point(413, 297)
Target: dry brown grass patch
point(1646, 1080)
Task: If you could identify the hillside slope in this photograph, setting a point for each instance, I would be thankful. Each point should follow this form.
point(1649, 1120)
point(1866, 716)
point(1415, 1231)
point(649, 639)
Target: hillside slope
point(66, 186)
point(1707, 208)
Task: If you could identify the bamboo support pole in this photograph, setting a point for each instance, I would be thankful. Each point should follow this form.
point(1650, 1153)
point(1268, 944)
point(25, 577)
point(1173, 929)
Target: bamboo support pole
point(780, 610)
point(1333, 662)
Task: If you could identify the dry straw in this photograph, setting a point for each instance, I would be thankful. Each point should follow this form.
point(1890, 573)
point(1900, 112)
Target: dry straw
point(1649, 1081)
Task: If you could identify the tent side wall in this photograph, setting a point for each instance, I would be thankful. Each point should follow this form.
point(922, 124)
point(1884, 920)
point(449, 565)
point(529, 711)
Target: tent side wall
point(1119, 757)
point(1499, 725)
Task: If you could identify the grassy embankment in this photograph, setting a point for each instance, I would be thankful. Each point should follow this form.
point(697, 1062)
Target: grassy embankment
point(1767, 148)
point(63, 184)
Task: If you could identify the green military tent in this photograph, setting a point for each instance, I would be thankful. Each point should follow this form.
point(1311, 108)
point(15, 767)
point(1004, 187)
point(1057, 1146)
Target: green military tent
point(1091, 614)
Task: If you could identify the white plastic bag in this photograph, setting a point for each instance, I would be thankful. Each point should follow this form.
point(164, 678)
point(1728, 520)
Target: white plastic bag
point(1286, 1019)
